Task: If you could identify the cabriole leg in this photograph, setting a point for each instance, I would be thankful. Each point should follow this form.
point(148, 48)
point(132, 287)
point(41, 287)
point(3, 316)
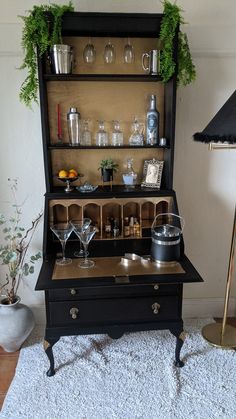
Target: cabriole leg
point(47, 345)
point(180, 337)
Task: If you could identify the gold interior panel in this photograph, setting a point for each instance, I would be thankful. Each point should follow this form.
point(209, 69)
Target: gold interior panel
point(112, 266)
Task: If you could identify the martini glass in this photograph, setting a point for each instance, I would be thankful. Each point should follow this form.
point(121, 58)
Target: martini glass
point(63, 232)
point(85, 235)
point(81, 224)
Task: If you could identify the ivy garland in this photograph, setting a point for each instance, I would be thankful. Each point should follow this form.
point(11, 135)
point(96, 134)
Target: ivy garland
point(37, 34)
point(186, 69)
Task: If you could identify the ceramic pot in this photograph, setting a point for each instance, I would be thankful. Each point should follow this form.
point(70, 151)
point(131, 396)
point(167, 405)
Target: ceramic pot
point(107, 175)
point(16, 323)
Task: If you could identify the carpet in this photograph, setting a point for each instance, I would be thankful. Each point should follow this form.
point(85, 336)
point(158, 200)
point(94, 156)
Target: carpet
point(129, 378)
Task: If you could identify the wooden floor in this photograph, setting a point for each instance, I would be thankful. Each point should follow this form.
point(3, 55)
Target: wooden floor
point(8, 362)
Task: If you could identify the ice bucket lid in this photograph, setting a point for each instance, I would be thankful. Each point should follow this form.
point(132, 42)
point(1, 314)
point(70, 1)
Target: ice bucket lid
point(167, 230)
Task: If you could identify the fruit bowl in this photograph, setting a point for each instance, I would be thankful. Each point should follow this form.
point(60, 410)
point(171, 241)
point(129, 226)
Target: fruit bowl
point(68, 181)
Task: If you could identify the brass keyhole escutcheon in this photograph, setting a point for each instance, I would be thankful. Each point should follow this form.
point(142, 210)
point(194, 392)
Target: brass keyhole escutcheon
point(73, 312)
point(155, 308)
point(73, 291)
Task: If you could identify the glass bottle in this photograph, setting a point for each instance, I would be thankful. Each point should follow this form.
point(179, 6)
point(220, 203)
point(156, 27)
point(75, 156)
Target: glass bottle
point(117, 137)
point(107, 227)
point(86, 137)
point(126, 227)
point(130, 177)
point(136, 137)
point(153, 116)
point(116, 230)
point(131, 225)
point(136, 228)
point(102, 135)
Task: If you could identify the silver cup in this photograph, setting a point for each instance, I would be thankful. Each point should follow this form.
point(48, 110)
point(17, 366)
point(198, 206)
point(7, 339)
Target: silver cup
point(152, 59)
point(62, 59)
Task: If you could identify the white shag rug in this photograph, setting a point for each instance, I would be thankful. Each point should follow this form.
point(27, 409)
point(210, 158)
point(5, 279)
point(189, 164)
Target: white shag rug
point(129, 378)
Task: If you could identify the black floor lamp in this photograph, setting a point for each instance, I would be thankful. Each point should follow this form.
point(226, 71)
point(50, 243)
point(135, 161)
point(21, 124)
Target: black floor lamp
point(220, 134)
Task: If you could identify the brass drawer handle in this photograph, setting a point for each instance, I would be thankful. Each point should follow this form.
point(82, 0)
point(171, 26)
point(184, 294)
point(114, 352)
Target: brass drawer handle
point(155, 308)
point(73, 312)
point(73, 291)
point(156, 287)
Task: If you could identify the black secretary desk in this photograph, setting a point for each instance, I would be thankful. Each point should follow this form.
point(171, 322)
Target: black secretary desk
point(111, 297)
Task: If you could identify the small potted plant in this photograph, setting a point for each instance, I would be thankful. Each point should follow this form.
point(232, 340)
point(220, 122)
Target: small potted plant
point(16, 320)
point(108, 167)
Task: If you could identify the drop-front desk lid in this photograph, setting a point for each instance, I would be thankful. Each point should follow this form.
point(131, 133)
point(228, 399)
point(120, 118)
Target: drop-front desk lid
point(115, 270)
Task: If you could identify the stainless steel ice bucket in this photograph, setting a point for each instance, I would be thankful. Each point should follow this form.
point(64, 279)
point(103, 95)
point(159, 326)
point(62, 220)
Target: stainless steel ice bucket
point(62, 59)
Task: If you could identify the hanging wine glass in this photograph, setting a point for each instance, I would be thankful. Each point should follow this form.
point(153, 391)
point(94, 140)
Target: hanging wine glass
point(128, 52)
point(81, 224)
point(63, 232)
point(89, 53)
point(109, 53)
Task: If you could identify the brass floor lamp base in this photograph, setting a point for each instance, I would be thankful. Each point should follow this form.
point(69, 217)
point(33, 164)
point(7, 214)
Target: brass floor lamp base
point(213, 334)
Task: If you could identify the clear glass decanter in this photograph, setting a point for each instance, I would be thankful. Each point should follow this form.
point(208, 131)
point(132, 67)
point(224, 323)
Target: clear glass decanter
point(86, 138)
point(137, 137)
point(102, 135)
point(130, 177)
point(117, 137)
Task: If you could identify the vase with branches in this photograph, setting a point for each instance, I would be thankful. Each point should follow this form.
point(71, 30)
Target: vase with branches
point(14, 250)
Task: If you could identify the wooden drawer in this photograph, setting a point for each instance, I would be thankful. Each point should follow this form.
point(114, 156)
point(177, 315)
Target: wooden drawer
point(114, 291)
point(119, 310)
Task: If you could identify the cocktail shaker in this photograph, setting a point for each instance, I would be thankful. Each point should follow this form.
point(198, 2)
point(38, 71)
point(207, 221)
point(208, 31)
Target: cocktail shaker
point(73, 123)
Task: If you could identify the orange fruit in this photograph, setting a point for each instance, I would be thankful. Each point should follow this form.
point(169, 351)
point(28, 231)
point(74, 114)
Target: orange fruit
point(71, 175)
point(73, 171)
point(63, 173)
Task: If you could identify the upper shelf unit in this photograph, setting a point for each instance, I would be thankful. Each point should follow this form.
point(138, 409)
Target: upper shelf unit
point(112, 24)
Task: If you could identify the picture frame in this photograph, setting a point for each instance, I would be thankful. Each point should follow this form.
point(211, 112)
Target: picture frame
point(152, 172)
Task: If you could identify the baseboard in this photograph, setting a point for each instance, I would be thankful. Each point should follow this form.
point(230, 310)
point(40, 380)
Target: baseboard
point(192, 307)
point(207, 307)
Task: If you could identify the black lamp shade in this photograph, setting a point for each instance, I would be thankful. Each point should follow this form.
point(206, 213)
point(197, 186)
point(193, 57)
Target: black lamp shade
point(222, 128)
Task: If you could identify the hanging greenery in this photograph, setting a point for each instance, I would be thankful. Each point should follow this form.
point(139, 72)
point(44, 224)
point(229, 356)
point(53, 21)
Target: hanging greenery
point(186, 71)
point(39, 32)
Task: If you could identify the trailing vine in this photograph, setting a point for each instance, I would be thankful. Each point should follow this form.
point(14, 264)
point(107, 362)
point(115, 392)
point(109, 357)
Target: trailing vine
point(37, 34)
point(186, 71)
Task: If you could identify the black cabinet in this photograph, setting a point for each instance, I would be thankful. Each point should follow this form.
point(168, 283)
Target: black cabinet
point(109, 298)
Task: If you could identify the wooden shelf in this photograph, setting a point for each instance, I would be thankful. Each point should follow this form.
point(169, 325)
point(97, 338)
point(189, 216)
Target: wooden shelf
point(102, 77)
point(67, 146)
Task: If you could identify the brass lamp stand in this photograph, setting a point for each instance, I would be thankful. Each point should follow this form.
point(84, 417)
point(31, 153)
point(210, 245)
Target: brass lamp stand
point(217, 334)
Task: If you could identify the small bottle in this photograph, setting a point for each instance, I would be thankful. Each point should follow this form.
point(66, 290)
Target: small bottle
point(107, 227)
point(126, 227)
point(130, 177)
point(117, 137)
point(73, 124)
point(153, 117)
point(131, 226)
point(86, 137)
point(136, 228)
point(102, 135)
point(116, 230)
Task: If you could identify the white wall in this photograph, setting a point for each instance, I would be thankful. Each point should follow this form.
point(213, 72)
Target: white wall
point(205, 181)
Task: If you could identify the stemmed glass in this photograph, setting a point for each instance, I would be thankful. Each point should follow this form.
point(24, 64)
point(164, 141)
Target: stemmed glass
point(85, 235)
point(81, 224)
point(63, 232)
point(109, 53)
point(128, 53)
point(89, 53)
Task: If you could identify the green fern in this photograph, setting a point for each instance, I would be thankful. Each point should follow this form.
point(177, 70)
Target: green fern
point(186, 72)
point(37, 34)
